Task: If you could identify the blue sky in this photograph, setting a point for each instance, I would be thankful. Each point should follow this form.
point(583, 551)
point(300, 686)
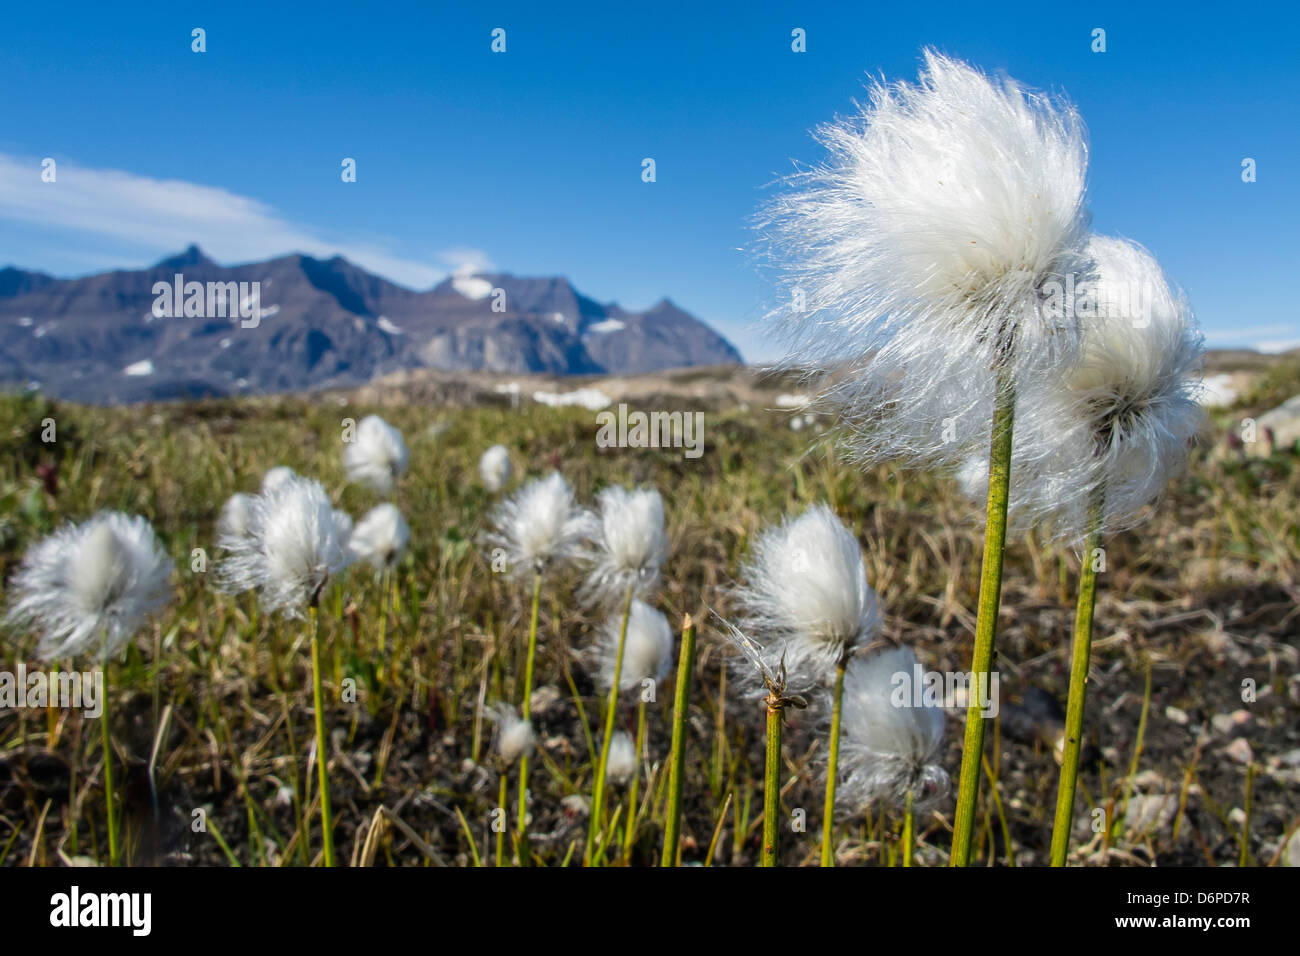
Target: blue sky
point(530, 161)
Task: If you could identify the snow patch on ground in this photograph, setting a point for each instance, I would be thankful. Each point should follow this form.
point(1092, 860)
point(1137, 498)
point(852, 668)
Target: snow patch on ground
point(591, 399)
point(607, 325)
point(386, 325)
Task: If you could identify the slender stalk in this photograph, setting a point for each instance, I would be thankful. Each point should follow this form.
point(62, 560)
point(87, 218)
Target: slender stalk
point(995, 538)
point(772, 783)
point(909, 826)
point(322, 754)
point(598, 788)
point(629, 837)
point(832, 765)
point(501, 834)
point(108, 768)
point(1081, 659)
point(526, 709)
point(1245, 824)
point(677, 759)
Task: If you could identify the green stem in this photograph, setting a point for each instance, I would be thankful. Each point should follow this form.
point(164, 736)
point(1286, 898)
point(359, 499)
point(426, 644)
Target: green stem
point(501, 834)
point(526, 710)
point(772, 784)
point(1082, 653)
point(832, 766)
point(108, 768)
point(909, 826)
point(322, 754)
point(677, 759)
point(598, 788)
point(629, 837)
point(995, 538)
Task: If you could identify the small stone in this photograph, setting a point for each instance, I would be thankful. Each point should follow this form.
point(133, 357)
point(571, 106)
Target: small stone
point(1239, 750)
point(1176, 715)
point(1147, 812)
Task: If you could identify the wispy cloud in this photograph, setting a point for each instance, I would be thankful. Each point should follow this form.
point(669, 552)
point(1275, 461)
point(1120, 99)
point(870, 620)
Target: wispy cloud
point(159, 216)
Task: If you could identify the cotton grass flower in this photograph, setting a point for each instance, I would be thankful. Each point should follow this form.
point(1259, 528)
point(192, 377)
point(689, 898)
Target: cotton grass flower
point(236, 514)
point(622, 758)
point(1128, 412)
point(377, 456)
point(90, 587)
point(647, 649)
point(494, 468)
point(515, 737)
point(380, 537)
point(806, 599)
point(629, 545)
point(539, 526)
point(291, 550)
point(890, 743)
point(927, 246)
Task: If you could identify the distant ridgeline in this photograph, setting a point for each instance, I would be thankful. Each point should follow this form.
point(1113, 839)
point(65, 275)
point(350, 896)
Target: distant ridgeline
point(188, 327)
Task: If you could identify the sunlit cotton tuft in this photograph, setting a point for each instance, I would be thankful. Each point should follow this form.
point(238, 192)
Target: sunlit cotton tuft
point(539, 526)
point(806, 597)
point(1122, 420)
point(377, 456)
point(89, 588)
point(380, 537)
point(926, 251)
point(494, 468)
point(292, 549)
point(515, 737)
point(629, 545)
point(235, 516)
point(647, 649)
point(889, 743)
point(621, 766)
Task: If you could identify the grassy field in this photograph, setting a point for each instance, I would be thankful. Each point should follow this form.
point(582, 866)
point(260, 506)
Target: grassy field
point(212, 711)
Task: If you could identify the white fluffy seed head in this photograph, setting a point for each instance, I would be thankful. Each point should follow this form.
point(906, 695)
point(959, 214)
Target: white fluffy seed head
point(377, 456)
point(89, 588)
point(621, 765)
point(806, 597)
point(629, 545)
point(292, 548)
point(1122, 419)
point(494, 468)
point(889, 743)
point(276, 477)
point(647, 649)
point(235, 516)
point(925, 250)
point(380, 537)
point(539, 526)
point(515, 737)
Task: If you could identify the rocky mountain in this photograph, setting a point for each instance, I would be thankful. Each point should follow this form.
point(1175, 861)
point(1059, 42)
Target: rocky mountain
point(117, 337)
